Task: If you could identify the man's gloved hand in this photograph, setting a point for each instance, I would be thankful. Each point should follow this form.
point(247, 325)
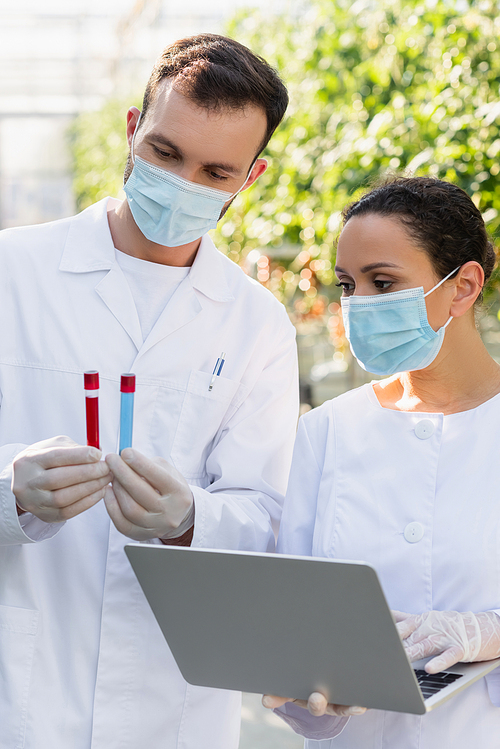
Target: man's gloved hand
point(449, 635)
point(148, 498)
point(56, 479)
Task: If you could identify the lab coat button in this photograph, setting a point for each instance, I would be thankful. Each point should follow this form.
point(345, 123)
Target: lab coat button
point(424, 429)
point(414, 532)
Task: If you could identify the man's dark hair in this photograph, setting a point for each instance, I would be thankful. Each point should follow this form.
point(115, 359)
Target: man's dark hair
point(218, 73)
point(439, 216)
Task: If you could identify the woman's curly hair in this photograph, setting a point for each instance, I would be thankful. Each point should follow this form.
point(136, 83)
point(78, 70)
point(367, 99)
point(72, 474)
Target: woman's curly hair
point(440, 217)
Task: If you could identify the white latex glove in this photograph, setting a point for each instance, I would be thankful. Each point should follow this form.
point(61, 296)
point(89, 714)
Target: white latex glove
point(316, 704)
point(148, 498)
point(449, 635)
point(56, 479)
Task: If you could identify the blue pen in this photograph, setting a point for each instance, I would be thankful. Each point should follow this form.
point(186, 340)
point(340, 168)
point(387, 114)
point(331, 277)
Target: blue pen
point(217, 369)
point(127, 389)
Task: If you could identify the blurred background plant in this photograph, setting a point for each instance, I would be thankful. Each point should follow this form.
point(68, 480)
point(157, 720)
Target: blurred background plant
point(375, 86)
point(99, 149)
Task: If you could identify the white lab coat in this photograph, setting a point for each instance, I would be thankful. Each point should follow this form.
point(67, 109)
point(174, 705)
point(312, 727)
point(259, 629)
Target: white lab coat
point(82, 661)
point(361, 476)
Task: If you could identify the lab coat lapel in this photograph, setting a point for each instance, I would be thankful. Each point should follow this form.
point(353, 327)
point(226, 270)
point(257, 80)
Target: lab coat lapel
point(116, 295)
point(206, 281)
point(183, 307)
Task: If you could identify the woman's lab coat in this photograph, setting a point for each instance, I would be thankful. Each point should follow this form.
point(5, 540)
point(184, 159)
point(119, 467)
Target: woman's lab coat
point(83, 664)
point(416, 495)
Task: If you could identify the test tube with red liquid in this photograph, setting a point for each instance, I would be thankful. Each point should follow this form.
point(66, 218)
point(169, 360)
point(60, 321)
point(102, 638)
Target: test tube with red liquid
point(91, 385)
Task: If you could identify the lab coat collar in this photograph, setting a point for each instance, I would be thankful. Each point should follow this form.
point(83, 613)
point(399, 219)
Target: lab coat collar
point(89, 247)
point(208, 274)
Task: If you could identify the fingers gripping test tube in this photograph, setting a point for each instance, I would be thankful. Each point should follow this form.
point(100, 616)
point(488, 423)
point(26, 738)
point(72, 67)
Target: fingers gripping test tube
point(91, 385)
point(127, 389)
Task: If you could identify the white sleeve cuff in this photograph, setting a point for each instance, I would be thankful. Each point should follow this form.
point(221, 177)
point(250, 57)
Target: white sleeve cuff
point(199, 500)
point(493, 678)
point(233, 519)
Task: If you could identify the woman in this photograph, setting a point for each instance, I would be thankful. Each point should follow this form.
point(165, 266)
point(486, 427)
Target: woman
point(404, 472)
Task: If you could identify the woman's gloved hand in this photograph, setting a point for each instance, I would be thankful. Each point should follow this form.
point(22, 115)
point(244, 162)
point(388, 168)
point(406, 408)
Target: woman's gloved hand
point(317, 704)
point(449, 635)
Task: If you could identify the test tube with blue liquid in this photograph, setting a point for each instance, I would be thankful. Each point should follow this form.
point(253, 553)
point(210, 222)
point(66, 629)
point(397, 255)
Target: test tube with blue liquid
point(127, 389)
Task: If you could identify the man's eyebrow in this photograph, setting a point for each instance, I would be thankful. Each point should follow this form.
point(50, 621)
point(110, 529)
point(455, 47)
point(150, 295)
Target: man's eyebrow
point(229, 168)
point(159, 138)
point(371, 266)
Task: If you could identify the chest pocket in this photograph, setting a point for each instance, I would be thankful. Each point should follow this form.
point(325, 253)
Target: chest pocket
point(203, 412)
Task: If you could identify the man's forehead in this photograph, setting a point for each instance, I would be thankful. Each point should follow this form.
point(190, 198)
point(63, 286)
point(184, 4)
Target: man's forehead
point(174, 114)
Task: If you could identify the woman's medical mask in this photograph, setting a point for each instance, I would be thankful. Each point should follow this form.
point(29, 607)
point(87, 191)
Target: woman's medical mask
point(168, 209)
point(390, 333)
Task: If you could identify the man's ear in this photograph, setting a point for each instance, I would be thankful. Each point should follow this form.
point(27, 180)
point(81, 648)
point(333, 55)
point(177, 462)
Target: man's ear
point(258, 169)
point(133, 115)
point(469, 283)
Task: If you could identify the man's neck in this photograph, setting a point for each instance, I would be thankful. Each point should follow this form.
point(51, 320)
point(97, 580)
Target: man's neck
point(129, 239)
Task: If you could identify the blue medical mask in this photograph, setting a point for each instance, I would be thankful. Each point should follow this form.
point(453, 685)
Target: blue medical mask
point(390, 333)
point(168, 209)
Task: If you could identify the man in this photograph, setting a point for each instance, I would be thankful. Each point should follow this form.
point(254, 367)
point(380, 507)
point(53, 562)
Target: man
point(138, 287)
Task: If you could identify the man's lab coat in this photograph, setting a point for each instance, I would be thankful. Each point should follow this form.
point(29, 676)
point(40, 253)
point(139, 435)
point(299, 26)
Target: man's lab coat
point(83, 664)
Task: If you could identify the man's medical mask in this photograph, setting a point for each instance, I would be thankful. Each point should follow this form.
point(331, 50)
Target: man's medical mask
point(168, 209)
point(390, 333)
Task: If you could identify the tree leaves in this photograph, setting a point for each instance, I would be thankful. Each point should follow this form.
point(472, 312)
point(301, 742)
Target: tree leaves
point(387, 86)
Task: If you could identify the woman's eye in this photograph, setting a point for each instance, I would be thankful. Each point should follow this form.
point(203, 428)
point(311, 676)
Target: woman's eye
point(346, 286)
point(382, 285)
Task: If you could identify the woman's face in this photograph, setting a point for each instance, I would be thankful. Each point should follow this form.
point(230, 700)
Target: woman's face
point(376, 255)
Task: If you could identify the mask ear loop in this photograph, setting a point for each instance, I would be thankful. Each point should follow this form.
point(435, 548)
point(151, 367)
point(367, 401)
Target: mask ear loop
point(442, 281)
point(244, 183)
point(133, 139)
point(232, 197)
point(437, 286)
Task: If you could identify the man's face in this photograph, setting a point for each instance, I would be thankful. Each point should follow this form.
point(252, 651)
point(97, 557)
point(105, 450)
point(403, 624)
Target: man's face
point(215, 149)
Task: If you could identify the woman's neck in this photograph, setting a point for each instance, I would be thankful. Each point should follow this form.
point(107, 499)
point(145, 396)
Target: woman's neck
point(462, 376)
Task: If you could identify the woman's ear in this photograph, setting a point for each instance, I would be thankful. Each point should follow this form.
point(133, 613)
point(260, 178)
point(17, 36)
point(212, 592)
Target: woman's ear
point(469, 283)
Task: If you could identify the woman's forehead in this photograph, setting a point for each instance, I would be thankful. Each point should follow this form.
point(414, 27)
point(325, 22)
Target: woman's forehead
point(373, 238)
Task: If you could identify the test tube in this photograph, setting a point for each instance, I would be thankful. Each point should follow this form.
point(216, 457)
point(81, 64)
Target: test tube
point(91, 385)
point(127, 389)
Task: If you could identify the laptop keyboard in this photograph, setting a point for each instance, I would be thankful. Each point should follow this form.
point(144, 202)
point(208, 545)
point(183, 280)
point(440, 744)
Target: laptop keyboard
point(431, 683)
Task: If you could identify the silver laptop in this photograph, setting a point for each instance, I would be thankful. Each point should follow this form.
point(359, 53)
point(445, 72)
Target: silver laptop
point(287, 625)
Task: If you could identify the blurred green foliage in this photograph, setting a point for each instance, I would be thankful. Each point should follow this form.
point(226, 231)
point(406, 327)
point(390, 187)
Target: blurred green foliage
point(375, 85)
point(99, 150)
